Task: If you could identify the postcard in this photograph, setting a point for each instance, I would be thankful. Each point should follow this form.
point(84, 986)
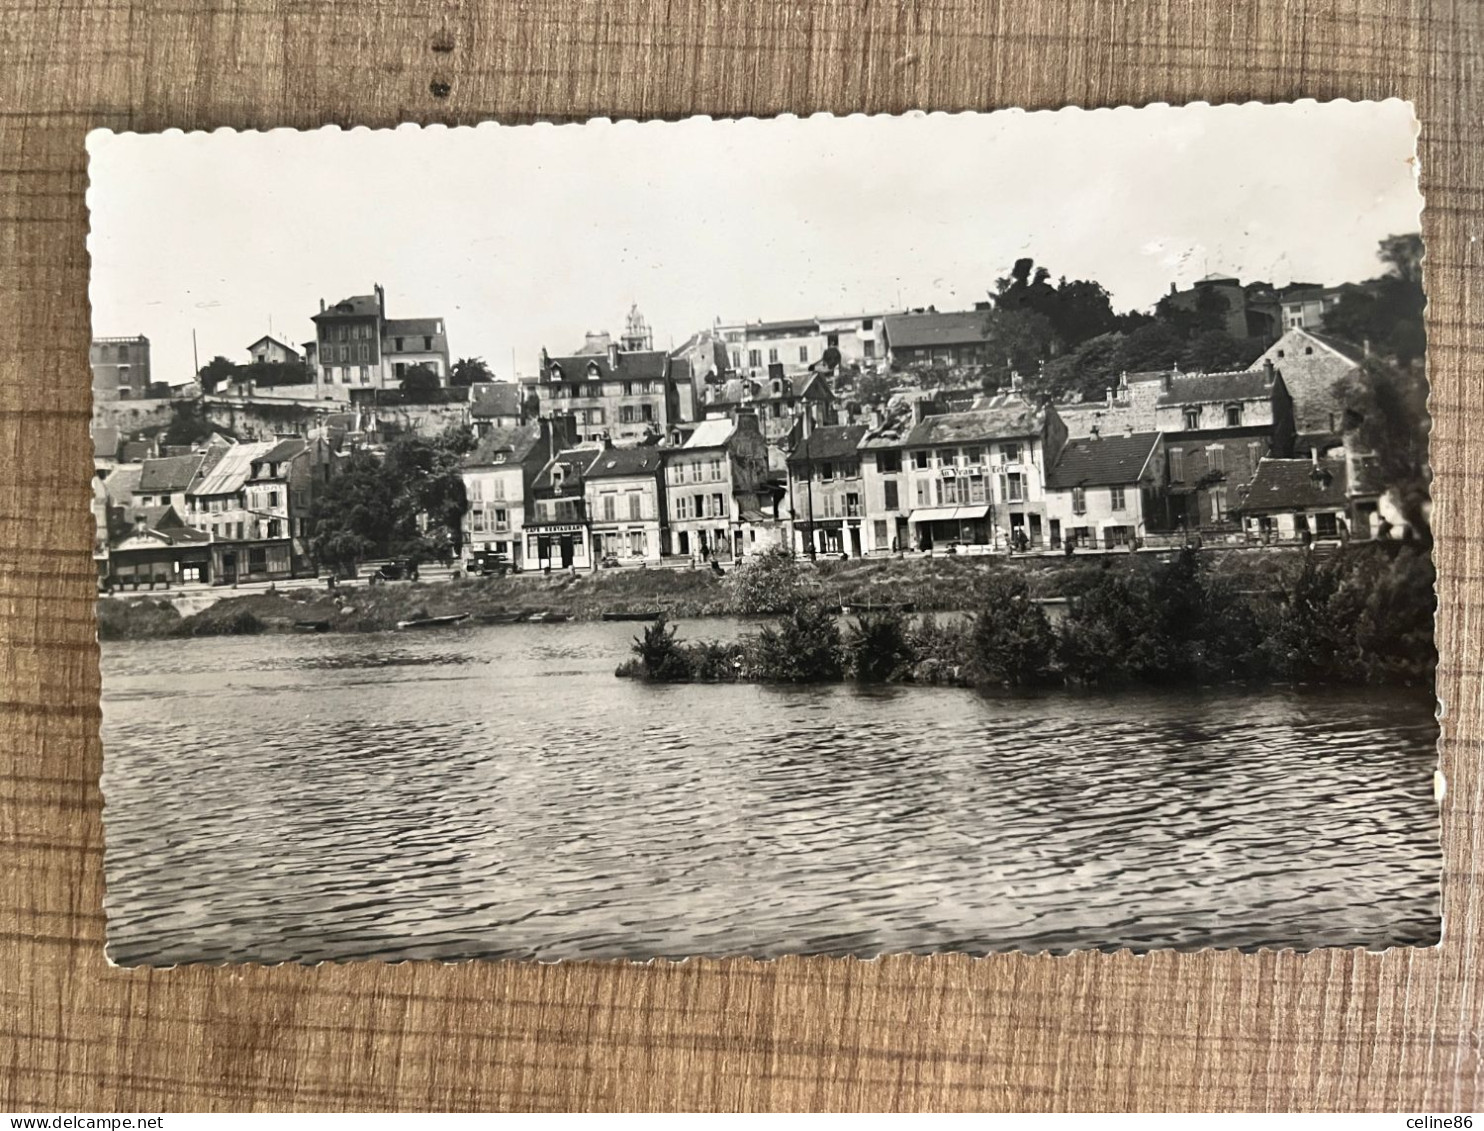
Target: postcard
point(822, 536)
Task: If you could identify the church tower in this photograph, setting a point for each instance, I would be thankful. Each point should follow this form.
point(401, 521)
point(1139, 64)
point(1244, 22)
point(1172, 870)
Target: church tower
point(636, 334)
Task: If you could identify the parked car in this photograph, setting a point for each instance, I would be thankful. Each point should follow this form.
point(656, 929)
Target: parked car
point(489, 564)
point(398, 569)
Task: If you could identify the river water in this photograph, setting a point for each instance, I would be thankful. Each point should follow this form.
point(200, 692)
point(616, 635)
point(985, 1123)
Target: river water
point(495, 791)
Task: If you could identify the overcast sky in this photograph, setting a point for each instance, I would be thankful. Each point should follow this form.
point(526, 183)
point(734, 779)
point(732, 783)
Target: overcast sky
point(523, 237)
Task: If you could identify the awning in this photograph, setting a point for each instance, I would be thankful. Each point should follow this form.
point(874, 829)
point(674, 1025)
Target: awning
point(948, 514)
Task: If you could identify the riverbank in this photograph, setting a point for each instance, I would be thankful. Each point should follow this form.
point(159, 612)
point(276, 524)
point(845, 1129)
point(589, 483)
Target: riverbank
point(928, 584)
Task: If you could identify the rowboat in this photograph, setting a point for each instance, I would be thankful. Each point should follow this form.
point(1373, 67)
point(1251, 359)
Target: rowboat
point(545, 617)
point(502, 618)
point(433, 622)
point(883, 607)
point(311, 626)
point(632, 616)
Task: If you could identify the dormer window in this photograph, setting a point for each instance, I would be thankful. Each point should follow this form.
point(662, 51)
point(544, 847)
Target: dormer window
point(1192, 418)
point(1233, 416)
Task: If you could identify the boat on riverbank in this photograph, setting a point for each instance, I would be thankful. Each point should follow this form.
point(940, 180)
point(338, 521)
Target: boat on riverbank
point(879, 607)
point(652, 615)
point(546, 616)
point(433, 622)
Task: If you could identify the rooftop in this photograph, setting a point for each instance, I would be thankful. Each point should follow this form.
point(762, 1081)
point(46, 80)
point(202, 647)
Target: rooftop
point(170, 474)
point(1293, 484)
point(830, 442)
point(1102, 461)
point(614, 463)
point(574, 463)
point(233, 469)
point(356, 306)
point(412, 327)
point(711, 433)
point(1203, 388)
point(504, 445)
point(937, 329)
point(495, 398)
point(640, 365)
point(1018, 419)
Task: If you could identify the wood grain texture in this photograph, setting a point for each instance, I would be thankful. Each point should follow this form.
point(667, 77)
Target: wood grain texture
point(1325, 1030)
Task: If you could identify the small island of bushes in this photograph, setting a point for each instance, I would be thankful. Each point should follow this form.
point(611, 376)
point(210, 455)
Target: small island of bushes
point(1363, 616)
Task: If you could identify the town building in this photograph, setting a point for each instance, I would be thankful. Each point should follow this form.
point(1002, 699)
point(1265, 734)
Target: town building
point(707, 360)
point(937, 339)
point(1222, 303)
point(786, 406)
point(495, 404)
point(977, 479)
point(762, 349)
point(1313, 365)
point(718, 500)
point(557, 532)
point(256, 503)
point(826, 492)
point(1217, 426)
point(1102, 490)
point(167, 480)
point(153, 548)
point(1305, 307)
point(357, 347)
point(1128, 405)
point(120, 368)
point(884, 483)
point(498, 477)
point(860, 338)
point(625, 499)
point(627, 398)
point(1295, 501)
point(268, 350)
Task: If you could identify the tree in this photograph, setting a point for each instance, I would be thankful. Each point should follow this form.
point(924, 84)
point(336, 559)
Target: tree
point(1216, 351)
point(428, 481)
point(1011, 642)
point(469, 371)
point(1387, 314)
point(270, 374)
point(217, 371)
point(188, 424)
point(420, 384)
point(358, 515)
point(1154, 346)
point(1386, 409)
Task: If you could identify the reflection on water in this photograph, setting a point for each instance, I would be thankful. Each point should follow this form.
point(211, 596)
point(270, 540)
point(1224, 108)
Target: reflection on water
point(494, 791)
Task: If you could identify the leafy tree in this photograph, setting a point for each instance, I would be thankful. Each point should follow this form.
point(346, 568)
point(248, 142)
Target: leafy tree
point(1089, 369)
point(188, 424)
point(874, 388)
point(1387, 315)
point(359, 514)
point(216, 372)
point(420, 385)
point(1011, 643)
point(803, 648)
point(1386, 409)
point(831, 357)
point(876, 647)
point(1216, 351)
point(469, 371)
point(771, 581)
point(271, 374)
point(427, 478)
point(661, 656)
point(1156, 345)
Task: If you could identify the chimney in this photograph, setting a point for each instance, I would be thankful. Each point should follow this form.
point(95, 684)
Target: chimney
point(1365, 345)
point(1014, 381)
point(380, 300)
point(612, 355)
point(1108, 394)
point(1314, 457)
point(141, 523)
point(1167, 381)
point(1268, 372)
point(1128, 429)
point(1094, 434)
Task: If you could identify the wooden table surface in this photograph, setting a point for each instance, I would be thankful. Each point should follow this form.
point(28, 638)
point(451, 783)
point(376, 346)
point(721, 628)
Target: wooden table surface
point(1326, 1030)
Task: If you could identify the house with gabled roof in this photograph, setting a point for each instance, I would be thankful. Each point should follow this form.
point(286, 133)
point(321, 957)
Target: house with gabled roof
point(1102, 489)
point(1314, 366)
point(627, 397)
point(498, 478)
point(558, 533)
point(151, 547)
point(826, 494)
point(625, 498)
point(1217, 426)
point(357, 348)
point(268, 350)
point(976, 479)
point(956, 337)
point(1295, 501)
point(718, 498)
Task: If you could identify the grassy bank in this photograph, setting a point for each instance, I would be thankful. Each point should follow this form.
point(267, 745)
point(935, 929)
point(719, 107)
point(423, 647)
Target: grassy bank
point(932, 584)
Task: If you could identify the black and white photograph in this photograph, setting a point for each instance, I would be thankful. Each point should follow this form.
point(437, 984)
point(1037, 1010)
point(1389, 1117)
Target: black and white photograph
point(848, 536)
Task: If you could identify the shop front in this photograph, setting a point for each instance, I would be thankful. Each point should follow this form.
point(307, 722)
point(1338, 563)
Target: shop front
point(557, 545)
point(941, 527)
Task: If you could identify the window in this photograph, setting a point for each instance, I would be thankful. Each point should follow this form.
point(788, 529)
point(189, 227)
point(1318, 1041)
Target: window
point(593, 391)
point(1010, 453)
point(919, 460)
point(1218, 503)
point(868, 323)
point(879, 526)
point(803, 355)
point(1233, 416)
point(626, 414)
point(1216, 457)
point(1115, 498)
point(682, 506)
point(475, 487)
point(628, 388)
point(365, 375)
point(1192, 418)
point(889, 463)
point(646, 412)
point(363, 352)
point(275, 528)
point(870, 349)
point(1177, 465)
point(1014, 487)
point(398, 344)
point(257, 558)
point(714, 470)
point(718, 505)
point(852, 504)
point(636, 505)
point(826, 471)
point(890, 490)
point(273, 498)
point(344, 375)
point(736, 359)
point(502, 519)
point(610, 508)
point(772, 357)
point(924, 493)
point(427, 342)
point(973, 456)
point(754, 358)
point(1254, 453)
point(946, 456)
point(344, 353)
point(1079, 500)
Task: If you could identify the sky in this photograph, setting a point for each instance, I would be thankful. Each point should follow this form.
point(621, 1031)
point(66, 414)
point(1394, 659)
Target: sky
point(524, 237)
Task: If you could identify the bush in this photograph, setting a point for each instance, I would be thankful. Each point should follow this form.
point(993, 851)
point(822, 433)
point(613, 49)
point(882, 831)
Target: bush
point(1112, 632)
point(876, 648)
point(803, 648)
point(771, 581)
point(1011, 643)
point(660, 655)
